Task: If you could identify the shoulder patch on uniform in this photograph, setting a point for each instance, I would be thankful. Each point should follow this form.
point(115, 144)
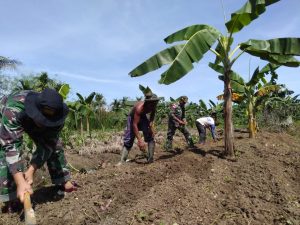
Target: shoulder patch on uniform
point(174, 106)
point(19, 98)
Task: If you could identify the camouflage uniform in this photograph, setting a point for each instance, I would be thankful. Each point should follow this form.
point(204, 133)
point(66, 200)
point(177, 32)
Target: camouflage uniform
point(14, 122)
point(179, 112)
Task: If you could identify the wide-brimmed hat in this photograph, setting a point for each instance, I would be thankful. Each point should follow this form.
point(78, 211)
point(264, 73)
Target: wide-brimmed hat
point(151, 98)
point(35, 103)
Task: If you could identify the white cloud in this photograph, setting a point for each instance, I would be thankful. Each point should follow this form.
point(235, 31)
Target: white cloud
point(87, 78)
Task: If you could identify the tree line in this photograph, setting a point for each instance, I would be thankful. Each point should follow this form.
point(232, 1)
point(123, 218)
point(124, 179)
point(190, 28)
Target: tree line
point(258, 102)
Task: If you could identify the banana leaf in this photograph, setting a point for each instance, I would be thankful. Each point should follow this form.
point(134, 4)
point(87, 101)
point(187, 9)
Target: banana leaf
point(90, 98)
point(172, 99)
point(158, 60)
point(269, 67)
point(146, 90)
point(233, 75)
point(237, 82)
point(212, 103)
point(193, 51)
point(285, 60)
point(278, 46)
point(202, 104)
point(221, 48)
point(263, 79)
point(80, 98)
point(295, 98)
point(186, 33)
point(255, 77)
point(237, 86)
point(259, 75)
point(249, 12)
point(64, 90)
point(279, 51)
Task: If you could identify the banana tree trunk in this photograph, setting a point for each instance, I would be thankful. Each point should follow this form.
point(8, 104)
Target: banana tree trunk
point(88, 125)
point(229, 147)
point(251, 121)
point(255, 123)
point(81, 127)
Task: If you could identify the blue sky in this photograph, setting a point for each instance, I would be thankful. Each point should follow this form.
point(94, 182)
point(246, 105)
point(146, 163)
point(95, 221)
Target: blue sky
point(93, 45)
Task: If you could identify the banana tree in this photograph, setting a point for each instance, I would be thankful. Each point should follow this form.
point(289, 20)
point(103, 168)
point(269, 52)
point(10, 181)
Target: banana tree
point(252, 92)
point(208, 109)
point(199, 39)
point(85, 109)
point(280, 107)
point(194, 110)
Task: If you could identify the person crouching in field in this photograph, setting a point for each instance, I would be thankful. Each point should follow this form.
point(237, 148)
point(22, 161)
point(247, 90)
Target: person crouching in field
point(137, 121)
point(203, 123)
point(41, 116)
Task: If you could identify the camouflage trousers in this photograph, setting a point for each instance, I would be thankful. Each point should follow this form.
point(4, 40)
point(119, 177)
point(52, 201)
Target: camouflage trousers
point(56, 163)
point(171, 131)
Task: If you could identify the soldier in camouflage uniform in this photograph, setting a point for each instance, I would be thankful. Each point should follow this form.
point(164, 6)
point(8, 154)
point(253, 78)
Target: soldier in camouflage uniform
point(41, 116)
point(177, 121)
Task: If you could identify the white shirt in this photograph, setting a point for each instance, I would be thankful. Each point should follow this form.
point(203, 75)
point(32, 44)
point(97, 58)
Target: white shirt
point(206, 121)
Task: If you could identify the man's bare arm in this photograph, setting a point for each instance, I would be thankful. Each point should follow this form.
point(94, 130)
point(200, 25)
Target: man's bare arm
point(136, 120)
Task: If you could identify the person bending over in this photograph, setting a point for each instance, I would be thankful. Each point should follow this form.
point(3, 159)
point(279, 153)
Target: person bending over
point(138, 121)
point(41, 116)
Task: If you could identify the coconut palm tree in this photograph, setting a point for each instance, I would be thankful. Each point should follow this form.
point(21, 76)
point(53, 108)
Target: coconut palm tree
point(6, 63)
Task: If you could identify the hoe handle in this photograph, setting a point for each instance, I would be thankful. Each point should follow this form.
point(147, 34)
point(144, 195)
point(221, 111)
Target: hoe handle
point(28, 211)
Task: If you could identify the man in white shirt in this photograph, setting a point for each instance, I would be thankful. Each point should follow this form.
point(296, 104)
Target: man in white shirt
point(203, 123)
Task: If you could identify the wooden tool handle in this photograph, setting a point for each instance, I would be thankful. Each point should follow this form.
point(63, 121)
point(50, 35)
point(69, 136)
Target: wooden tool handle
point(27, 201)
point(28, 211)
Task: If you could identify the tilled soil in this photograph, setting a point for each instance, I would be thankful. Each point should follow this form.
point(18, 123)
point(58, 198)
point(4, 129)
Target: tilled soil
point(198, 186)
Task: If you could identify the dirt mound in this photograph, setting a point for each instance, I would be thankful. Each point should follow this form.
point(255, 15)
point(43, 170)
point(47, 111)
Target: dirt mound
point(183, 187)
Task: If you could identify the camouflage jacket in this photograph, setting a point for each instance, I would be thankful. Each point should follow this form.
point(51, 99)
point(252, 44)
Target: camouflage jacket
point(14, 122)
point(176, 111)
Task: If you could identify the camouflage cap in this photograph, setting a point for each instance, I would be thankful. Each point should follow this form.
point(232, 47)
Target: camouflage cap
point(183, 98)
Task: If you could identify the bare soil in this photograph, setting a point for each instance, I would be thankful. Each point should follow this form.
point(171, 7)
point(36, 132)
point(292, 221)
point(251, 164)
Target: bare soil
point(261, 186)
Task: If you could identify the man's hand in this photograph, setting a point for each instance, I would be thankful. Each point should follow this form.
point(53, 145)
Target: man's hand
point(22, 189)
point(71, 186)
point(22, 186)
point(141, 145)
point(182, 122)
point(29, 174)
